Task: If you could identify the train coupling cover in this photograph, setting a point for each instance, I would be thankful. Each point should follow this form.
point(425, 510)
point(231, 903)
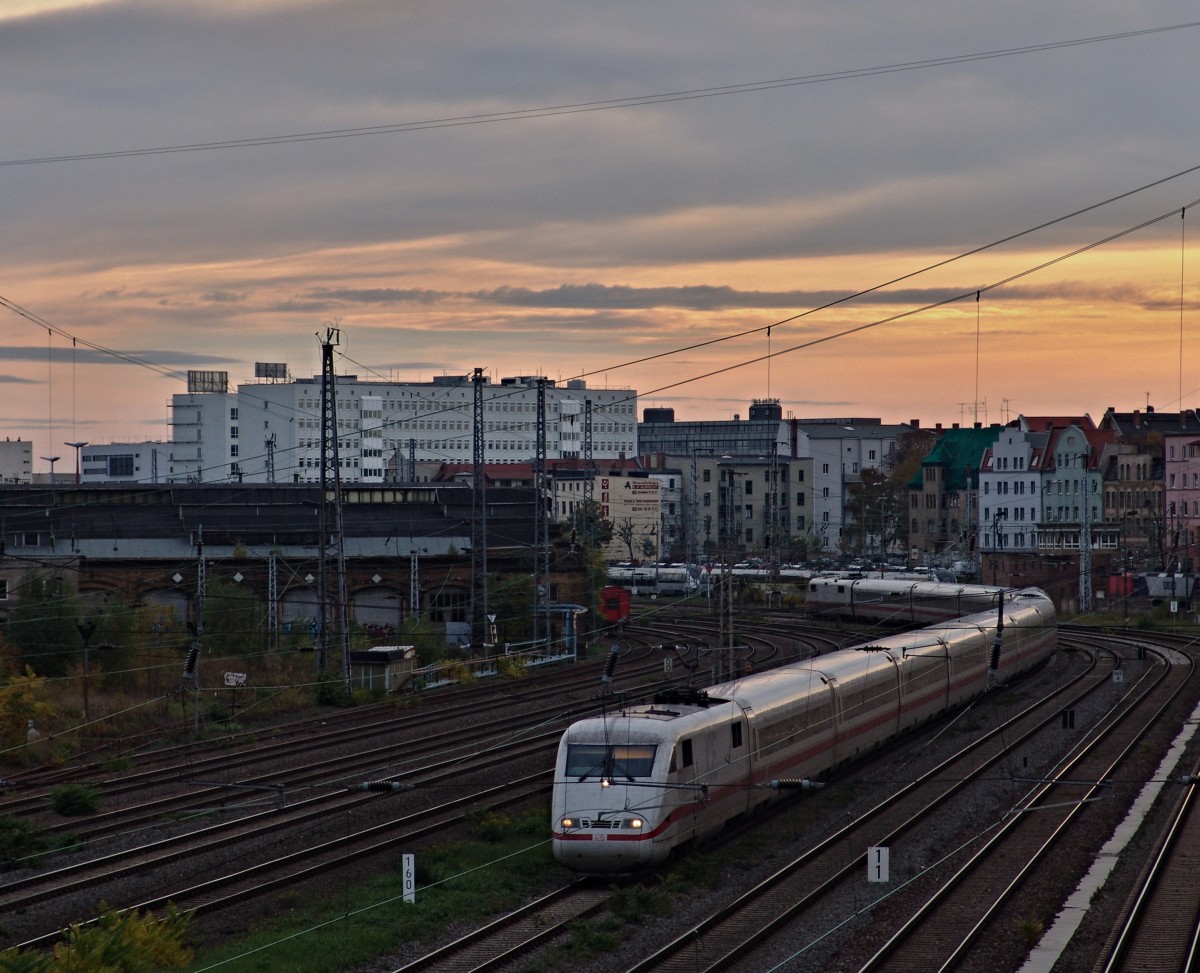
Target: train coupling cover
point(792, 784)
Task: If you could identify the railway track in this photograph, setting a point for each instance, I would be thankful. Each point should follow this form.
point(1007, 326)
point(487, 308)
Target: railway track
point(1160, 930)
point(947, 930)
point(160, 834)
point(493, 945)
point(826, 870)
point(498, 943)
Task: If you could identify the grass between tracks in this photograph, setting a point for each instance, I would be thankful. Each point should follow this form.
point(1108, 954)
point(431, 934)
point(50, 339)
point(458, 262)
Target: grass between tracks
point(504, 862)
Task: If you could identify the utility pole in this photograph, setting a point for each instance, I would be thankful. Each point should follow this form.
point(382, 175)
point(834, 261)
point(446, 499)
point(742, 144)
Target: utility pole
point(480, 623)
point(1085, 539)
point(589, 479)
point(693, 525)
point(414, 582)
point(271, 458)
point(331, 623)
point(773, 516)
point(591, 513)
point(541, 574)
point(191, 674)
point(272, 599)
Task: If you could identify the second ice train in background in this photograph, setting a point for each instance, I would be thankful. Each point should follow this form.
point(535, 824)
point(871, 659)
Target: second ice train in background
point(897, 600)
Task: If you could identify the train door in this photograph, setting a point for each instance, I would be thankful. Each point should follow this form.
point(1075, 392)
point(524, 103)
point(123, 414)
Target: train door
point(682, 773)
point(839, 717)
point(741, 753)
point(925, 683)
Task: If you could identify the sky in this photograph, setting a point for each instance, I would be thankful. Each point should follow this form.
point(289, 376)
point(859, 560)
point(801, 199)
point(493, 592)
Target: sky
point(681, 198)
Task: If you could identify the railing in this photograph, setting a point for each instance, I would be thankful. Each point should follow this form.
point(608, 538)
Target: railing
point(516, 654)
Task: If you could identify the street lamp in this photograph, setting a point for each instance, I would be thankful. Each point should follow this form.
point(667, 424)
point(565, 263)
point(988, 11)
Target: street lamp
point(51, 460)
point(77, 447)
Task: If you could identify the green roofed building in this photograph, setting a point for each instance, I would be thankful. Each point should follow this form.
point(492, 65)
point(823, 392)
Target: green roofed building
point(942, 496)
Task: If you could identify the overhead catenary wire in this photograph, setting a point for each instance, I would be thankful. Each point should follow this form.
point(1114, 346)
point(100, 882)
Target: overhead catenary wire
point(633, 101)
point(847, 298)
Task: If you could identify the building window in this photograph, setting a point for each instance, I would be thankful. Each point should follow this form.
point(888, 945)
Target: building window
point(120, 466)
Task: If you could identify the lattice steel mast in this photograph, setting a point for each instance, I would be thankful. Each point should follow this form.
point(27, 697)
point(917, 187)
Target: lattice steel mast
point(541, 588)
point(479, 538)
point(332, 628)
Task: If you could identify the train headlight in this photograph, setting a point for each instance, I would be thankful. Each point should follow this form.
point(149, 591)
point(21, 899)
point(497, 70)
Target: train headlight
point(634, 823)
point(568, 823)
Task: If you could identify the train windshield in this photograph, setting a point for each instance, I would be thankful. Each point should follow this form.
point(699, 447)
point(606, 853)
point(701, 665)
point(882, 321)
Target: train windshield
point(619, 761)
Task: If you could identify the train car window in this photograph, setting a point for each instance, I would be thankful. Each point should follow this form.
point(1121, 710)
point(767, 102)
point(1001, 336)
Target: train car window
point(735, 734)
point(586, 759)
point(686, 752)
point(598, 760)
point(633, 760)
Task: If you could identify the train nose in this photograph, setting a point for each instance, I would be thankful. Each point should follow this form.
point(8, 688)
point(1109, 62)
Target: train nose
point(596, 855)
point(606, 844)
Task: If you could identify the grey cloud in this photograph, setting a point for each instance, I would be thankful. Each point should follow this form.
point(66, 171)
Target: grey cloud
point(65, 354)
point(695, 297)
point(375, 295)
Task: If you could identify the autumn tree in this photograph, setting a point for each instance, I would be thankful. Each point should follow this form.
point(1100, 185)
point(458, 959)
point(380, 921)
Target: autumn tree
point(43, 624)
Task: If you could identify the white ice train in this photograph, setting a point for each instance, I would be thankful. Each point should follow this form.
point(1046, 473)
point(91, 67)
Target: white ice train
point(632, 785)
point(650, 579)
point(897, 600)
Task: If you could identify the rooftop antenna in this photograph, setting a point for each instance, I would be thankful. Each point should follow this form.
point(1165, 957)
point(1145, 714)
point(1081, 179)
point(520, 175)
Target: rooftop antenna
point(976, 353)
point(768, 361)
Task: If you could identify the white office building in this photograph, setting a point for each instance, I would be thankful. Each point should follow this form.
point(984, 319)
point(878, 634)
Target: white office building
point(269, 430)
point(142, 462)
point(16, 461)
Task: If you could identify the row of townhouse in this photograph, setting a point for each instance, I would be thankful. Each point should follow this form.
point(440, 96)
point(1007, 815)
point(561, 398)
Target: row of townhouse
point(770, 486)
point(765, 485)
point(1126, 489)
